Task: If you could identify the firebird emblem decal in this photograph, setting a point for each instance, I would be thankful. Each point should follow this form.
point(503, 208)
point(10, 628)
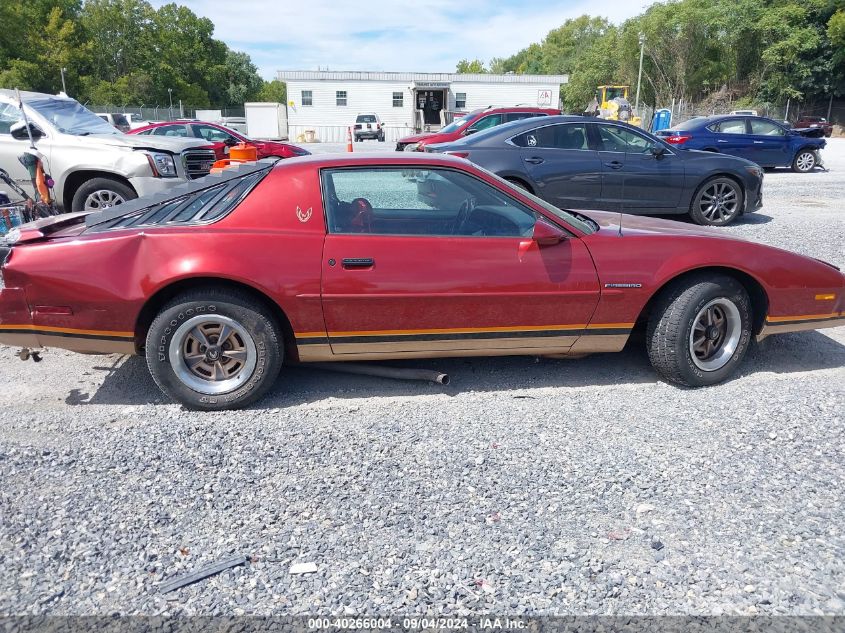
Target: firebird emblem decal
point(303, 216)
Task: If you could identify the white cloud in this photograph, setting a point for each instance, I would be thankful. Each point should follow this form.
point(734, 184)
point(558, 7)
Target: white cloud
point(418, 35)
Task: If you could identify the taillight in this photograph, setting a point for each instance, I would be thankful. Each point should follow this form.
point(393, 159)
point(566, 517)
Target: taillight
point(458, 154)
point(677, 139)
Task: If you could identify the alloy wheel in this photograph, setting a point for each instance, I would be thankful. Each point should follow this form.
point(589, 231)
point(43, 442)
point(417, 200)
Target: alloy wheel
point(212, 354)
point(715, 334)
point(102, 199)
point(719, 202)
point(805, 161)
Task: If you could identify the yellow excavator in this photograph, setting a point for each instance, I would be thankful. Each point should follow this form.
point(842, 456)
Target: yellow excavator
point(611, 103)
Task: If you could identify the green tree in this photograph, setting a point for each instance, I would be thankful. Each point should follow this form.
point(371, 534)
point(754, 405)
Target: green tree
point(475, 66)
point(273, 92)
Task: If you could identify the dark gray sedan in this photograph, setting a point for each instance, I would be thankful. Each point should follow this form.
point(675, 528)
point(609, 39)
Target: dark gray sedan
point(585, 163)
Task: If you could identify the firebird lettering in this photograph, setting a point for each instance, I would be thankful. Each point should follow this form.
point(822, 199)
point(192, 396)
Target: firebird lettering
point(303, 216)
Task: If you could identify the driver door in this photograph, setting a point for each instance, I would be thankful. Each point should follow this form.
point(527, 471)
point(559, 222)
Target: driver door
point(439, 262)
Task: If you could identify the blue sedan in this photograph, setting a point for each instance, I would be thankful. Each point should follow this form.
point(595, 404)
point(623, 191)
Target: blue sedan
point(761, 140)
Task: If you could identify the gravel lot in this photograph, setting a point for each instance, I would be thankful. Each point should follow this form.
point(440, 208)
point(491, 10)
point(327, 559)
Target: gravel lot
point(585, 487)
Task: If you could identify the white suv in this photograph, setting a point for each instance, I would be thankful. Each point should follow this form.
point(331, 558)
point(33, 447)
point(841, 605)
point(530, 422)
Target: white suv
point(368, 125)
point(93, 165)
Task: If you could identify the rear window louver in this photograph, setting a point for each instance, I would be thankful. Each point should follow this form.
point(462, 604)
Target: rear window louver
point(203, 201)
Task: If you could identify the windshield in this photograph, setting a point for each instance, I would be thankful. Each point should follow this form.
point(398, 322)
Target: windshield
point(457, 124)
point(69, 117)
point(580, 222)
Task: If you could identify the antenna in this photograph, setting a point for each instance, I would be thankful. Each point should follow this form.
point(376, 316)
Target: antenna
point(25, 119)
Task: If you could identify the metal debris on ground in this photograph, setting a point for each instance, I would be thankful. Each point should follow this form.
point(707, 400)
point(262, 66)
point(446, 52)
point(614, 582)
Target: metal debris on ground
point(205, 572)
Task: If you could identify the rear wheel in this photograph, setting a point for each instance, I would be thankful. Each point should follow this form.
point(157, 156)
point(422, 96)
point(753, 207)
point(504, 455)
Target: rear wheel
point(717, 202)
point(214, 349)
point(804, 161)
point(699, 330)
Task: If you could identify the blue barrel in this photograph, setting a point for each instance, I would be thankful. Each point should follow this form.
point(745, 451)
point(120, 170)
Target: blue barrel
point(662, 120)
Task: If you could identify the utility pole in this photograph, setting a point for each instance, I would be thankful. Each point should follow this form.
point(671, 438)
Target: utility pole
point(64, 87)
point(829, 107)
point(170, 94)
point(640, 74)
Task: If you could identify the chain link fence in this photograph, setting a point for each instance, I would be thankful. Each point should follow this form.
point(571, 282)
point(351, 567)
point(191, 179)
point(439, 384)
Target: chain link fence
point(163, 113)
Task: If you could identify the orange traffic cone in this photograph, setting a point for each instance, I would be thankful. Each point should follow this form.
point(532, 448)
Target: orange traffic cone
point(349, 139)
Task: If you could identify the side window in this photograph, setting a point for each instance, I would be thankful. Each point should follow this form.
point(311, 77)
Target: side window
point(460, 100)
point(212, 134)
point(340, 97)
point(9, 115)
point(765, 128)
point(398, 99)
point(518, 116)
point(731, 126)
point(486, 122)
point(433, 202)
point(564, 136)
point(307, 97)
point(617, 139)
point(171, 130)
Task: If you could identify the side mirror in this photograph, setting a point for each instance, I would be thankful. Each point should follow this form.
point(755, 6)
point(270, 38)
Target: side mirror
point(547, 235)
point(231, 142)
point(19, 131)
point(658, 151)
point(470, 131)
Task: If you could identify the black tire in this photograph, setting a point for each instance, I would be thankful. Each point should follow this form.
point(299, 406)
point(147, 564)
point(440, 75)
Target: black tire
point(105, 184)
point(670, 327)
point(255, 336)
point(717, 189)
point(804, 161)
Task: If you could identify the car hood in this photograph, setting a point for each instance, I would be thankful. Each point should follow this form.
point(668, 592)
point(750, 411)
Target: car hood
point(134, 141)
point(631, 225)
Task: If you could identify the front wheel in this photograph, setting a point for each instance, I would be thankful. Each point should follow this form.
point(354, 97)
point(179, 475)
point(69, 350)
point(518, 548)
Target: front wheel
point(699, 330)
point(805, 161)
point(717, 202)
point(214, 350)
point(99, 194)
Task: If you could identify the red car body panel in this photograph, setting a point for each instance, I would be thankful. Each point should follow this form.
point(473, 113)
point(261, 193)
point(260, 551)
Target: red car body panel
point(446, 137)
point(266, 149)
point(428, 296)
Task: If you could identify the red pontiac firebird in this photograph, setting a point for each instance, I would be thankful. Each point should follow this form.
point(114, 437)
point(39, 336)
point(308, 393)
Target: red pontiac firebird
point(220, 137)
point(351, 257)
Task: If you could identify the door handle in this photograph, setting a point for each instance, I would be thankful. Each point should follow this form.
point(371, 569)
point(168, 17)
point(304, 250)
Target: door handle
point(535, 160)
point(357, 262)
point(614, 164)
point(758, 142)
point(721, 141)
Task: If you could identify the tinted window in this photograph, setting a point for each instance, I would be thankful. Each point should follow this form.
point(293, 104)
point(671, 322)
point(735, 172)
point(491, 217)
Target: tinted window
point(517, 116)
point(119, 119)
point(731, 126)
point(483, 123)
point(212, 134)
point(171, 130)
point(366, 118)
point(765, 128)
point(433, 202)
point(564, 136)
point(307, 97)
point(617, 139)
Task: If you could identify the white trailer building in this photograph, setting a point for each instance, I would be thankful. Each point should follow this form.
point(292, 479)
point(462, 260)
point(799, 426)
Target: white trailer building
point(325, 103)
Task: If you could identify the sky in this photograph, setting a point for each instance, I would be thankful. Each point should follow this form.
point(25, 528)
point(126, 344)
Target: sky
point(398, 35)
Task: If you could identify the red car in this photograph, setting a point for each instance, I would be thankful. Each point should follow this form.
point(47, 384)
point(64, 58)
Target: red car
point(221, 138)
point(470, 124)
point(374, 257)
point(812, 122)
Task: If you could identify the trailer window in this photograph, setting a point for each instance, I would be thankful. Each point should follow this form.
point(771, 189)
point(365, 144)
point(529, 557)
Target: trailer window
point(460, 100)
point(398, 100)
point(340, 97)
point(307, 98)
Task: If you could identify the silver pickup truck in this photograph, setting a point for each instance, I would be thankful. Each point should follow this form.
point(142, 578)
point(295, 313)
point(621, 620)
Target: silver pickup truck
point(93, 165)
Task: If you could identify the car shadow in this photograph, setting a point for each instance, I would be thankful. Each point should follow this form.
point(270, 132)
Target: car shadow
point(745, 218)
point(127, 381)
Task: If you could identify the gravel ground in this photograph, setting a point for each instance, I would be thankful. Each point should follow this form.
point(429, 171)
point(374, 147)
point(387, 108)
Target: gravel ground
point(585, 487)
